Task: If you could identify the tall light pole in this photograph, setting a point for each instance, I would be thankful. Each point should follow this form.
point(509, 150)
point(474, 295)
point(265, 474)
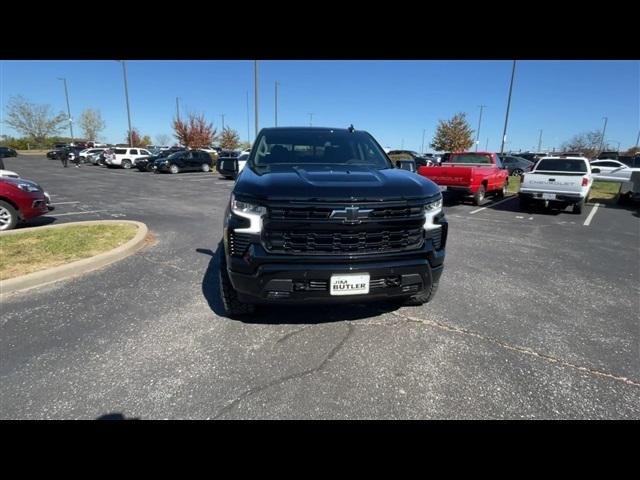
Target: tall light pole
point(66, 95)
point(177, 109)
point(222, 115)
point(479, 125)
point(126, 95)
point(248, 123)
point(540, 142)
point(402, 145)
point(424, 130)
point(311, 119)
point(486, 147)
point(277, 103)
point(255, 86)
point(604, 129)
point(506, 118)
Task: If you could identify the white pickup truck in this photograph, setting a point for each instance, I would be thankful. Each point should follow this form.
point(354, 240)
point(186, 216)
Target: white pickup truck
point(557, 181)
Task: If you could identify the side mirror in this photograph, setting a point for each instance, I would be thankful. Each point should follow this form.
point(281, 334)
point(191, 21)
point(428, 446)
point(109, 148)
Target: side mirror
point(406, 165)
point(595, 170)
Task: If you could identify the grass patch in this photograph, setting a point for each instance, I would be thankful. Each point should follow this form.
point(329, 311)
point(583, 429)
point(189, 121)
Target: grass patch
point(514, 184)
point(32, 251)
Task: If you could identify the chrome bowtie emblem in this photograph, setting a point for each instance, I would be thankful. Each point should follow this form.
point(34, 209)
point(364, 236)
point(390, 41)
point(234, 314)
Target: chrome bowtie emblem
point(351, 214)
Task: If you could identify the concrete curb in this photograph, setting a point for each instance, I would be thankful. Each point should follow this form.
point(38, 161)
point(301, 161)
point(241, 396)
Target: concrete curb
point(62, 272)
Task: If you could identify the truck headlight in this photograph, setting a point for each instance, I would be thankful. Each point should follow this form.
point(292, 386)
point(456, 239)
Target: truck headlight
point(430, 211)
point(250, 211)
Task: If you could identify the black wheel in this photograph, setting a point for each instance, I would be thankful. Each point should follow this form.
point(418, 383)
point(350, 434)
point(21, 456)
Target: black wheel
point(126, 164)
point(206, 167)
point(149, 168)
point(478, 198)
point(423, 297)
point(516, 172)
point(8, 216)
point(503, 191)
point(173, 168)
point(233, 307)
point(577, 207)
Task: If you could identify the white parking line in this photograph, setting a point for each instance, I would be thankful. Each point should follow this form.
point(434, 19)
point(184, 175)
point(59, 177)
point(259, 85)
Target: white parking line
point(77, 213)
point(587, 222)
point(493, 204)
point(63, 203)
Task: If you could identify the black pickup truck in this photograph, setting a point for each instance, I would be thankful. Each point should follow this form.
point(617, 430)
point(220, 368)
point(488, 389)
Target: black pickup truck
point(322, 215)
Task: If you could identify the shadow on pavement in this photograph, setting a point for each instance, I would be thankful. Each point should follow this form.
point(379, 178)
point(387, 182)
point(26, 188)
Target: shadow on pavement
point(115, 416)
point(287, 314)
point(37, 222)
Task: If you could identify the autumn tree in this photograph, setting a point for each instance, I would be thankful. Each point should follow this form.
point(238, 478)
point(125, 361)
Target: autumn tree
point(91, 123)
point(587, 142)
point(195, 132)
point(453, 135)
point(146, 141)
point(34, 121)
point(229, 140)
point(136, 139)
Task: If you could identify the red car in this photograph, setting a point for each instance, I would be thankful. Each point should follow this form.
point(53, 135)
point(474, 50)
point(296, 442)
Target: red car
point(20, 200)
point(475, 174)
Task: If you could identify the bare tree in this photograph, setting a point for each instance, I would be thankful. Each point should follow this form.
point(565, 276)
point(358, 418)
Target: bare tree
point(32, 120)
point(91, 123)
point(587, 142)
point(453, 135)
point(163, 139)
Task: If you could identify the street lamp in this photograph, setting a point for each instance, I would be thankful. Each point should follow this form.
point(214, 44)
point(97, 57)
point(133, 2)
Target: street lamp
point(604, 129)
point(126, 95)
point(255, 87)
point(277, 83)
point(423, 132)
point(66, 94)
point(479, 124)
point(506, 118)
point(311, 119)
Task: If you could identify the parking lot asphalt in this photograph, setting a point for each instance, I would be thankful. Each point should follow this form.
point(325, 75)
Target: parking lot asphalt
point(537, 316)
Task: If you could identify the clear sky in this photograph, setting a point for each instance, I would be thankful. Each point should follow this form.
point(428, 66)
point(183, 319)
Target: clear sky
point(393, 100)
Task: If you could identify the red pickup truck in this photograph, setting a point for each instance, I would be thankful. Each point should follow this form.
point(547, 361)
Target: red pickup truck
point(476, 174)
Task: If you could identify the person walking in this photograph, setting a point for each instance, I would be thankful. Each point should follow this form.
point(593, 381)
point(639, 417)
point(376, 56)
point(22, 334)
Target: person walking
point(64, 157)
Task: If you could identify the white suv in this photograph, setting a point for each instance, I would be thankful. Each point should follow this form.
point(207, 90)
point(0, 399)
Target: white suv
point(125, 157)
point(84, 154)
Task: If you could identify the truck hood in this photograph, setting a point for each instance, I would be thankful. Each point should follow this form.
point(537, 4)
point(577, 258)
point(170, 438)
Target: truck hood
point(332, 183)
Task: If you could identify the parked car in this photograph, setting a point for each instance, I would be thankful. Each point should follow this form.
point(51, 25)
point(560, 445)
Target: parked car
point(184, 161)
point(146, 164)
point(516, 166)
point(8, 173)
point(125, 157)
point(228, 163)
point(21, 200)
point(475, 174)
point(53, 154)
point(632, 161)
point(7, 152)
point(321, 215)
point(89, 151)
point(73, 154)
point(608, 155)
point(58, 146)
point(557, 181)
point(421, 161)
point(617, 172)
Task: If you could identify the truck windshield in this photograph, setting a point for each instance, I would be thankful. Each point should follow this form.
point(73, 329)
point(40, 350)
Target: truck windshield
point(469, 158)
point(299, 147)
point(562, 165)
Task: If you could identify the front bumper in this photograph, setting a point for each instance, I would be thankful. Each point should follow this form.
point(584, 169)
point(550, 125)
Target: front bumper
point(260, 277)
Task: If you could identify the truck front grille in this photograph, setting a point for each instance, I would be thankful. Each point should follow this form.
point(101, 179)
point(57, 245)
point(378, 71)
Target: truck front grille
point(343, 241)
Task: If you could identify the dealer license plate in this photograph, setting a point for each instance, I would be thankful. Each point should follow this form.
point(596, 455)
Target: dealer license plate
point(349, 284)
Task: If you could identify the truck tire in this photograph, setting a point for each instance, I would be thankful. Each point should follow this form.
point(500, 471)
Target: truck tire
point(503, 191)
point(8, 216)
point(423, 297)
point(577, 207)
point(233, 307)
point(173, 168)
point(478, 198)
point(126, 164)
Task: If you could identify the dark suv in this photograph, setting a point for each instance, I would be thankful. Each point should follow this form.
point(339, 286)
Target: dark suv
point(184, 161)
point(322, 215)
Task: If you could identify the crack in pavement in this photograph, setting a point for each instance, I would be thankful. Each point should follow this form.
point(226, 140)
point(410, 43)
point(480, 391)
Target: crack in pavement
point(280, 380)
point(524, 350)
